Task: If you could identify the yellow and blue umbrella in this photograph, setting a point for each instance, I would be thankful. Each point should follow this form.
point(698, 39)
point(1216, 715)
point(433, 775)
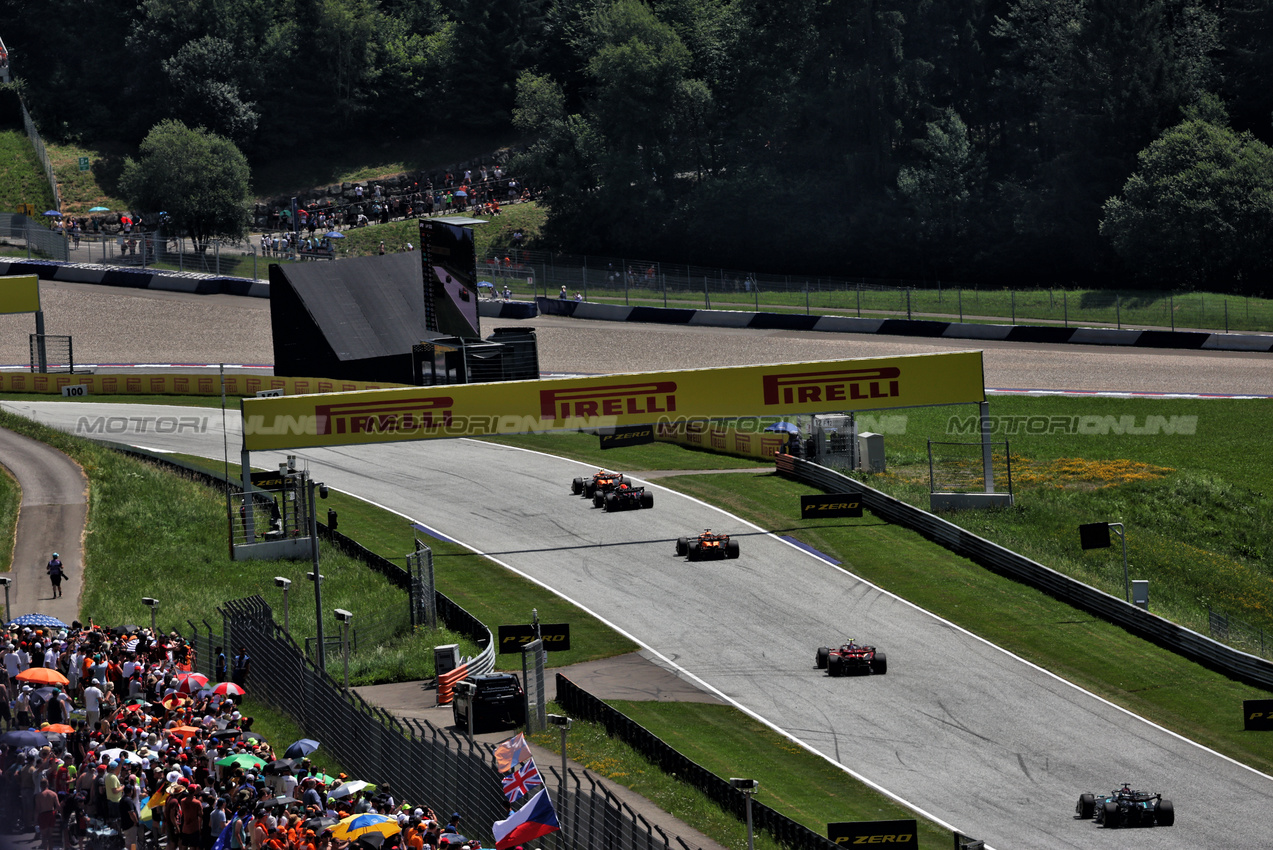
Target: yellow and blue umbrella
point(355, 825)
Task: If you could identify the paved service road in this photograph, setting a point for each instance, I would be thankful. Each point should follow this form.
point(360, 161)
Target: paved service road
point(979, 739)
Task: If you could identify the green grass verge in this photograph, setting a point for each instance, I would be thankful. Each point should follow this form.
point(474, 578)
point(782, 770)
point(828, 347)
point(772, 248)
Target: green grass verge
point(802, 786)
point(10, 499)
point(22, 179)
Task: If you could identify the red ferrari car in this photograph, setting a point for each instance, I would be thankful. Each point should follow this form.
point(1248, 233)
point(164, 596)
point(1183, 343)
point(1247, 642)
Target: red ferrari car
point(851, 657)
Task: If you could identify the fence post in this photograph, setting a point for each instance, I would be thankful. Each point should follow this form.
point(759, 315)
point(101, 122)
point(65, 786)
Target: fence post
point(908, 303)
point(1118, 311)
point(859, 289)
point(1171, 308)
point(1065, 307)
point(961, 305)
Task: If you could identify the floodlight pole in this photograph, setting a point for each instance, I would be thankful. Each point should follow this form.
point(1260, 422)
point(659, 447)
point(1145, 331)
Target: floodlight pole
point(1122, 535)
point(317, 577)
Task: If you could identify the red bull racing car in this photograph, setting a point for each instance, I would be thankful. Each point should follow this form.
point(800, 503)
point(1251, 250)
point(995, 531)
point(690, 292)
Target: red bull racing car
point(707, 546)
point(624, 497)
point(602, 481)
point(1126, 807)
point(851, 657)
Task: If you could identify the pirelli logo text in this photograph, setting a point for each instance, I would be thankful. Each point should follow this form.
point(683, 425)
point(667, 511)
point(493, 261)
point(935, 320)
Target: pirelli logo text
point(896, 833)
point(1258, 715)
point(837, 385)
point(399, 416)
point(608, 400)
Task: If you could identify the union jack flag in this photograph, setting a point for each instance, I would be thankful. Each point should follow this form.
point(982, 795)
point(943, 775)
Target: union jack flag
point(517, 784)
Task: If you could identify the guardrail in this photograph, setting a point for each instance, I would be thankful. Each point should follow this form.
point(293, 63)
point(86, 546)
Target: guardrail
point(583, 705)
point(1185, 642)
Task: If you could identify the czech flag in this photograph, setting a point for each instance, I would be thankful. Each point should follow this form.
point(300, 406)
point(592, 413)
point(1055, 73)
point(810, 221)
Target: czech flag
point(534, 820)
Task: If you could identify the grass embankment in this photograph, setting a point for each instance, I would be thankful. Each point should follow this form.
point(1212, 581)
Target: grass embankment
point(22, 179)
point(281, 730)
point(10, 499)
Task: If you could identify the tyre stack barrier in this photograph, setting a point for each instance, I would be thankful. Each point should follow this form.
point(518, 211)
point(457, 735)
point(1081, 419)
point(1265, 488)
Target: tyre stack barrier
point(1199, 648)
point(448, 681)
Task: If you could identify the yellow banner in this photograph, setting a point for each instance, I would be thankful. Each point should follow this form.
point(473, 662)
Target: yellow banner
point(151, 384)
point(723, 439)
point(19, 293)
point(518, 407)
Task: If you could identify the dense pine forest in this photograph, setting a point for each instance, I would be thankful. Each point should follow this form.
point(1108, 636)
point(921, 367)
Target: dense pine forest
point(1097, 142)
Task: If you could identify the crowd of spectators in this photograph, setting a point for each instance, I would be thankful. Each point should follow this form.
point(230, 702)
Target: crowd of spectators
point(133, 752)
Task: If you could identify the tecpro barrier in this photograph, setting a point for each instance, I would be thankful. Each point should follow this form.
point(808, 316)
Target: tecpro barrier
point(906, 327)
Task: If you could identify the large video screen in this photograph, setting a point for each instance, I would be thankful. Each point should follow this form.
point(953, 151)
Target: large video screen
point(450, 279)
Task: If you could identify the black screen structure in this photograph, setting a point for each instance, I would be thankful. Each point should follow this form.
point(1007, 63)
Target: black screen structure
point(450, 279)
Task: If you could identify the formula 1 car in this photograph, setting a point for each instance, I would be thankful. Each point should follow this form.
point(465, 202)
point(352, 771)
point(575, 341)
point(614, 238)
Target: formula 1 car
point(851, 657)
point(602, 481)
point(707, 546)
point(1126, 807)
point(625, 497)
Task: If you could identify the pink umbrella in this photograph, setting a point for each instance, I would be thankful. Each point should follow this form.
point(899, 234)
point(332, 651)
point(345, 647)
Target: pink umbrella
point(229, 689)
point(189, 683)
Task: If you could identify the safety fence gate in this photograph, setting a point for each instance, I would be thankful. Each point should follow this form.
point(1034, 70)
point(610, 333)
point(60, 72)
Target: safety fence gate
point(424, 607)
point(50, 353)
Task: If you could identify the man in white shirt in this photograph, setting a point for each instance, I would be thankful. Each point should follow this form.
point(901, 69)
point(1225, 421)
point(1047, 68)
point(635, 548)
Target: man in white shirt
point(11, 665)
point(93, 704)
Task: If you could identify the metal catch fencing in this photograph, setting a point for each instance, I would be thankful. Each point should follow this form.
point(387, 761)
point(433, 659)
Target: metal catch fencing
point(52, 353)
point(960, 467)
point(418, 761)
point(1239, 633)
point(39, 241)
point(34, 135)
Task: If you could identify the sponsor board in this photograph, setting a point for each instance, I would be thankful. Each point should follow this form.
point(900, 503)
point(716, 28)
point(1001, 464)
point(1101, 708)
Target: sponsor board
point(175, 384)
point(632, 435)
point(1257, 715)
point(895, 833)
point(1094, 535)
point(834, 505)
point(268, 480)
point(610, 401)
point(19, 293)
point(74, 391)
point(556, 637)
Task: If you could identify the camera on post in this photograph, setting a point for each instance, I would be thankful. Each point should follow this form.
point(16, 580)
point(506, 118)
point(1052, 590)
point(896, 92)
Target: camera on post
point(558, 720)
point(284, 583)
point(743, 784)
point(342, 615)
point(5, 581)
point(149, 601)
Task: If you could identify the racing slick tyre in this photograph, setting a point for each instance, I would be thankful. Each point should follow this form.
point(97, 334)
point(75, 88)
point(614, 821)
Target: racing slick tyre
point(731, 549)
point(647, 499)
point(879, 664)
point(1087, 806)
point(692, 551)
point(610, 502)
point(835, 667)
point(821, 658)
point(1111, 814)
point(682, 545)
point(589, 489)
point(576, 486)
point(598, 499)
point(1166, 813)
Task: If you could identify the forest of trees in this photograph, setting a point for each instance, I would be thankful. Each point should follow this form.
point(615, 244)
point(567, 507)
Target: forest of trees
point(1099, 142)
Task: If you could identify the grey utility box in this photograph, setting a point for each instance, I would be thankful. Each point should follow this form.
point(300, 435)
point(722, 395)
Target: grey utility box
point(1140, 593)
point(871, 452)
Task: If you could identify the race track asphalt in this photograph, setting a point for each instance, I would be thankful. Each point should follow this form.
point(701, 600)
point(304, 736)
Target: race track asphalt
point(967, 733)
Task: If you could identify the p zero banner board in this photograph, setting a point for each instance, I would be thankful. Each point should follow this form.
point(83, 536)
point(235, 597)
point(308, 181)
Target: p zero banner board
point(20, 293)
point(610, 401)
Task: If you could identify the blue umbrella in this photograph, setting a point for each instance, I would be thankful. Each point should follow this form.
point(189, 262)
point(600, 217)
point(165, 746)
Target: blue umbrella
point(301, 748)
point(485, 284)
point(785, 427)
point(38, 620)
point(334, 234)
point(24, 738)
point(52, 213)
point(99, 209)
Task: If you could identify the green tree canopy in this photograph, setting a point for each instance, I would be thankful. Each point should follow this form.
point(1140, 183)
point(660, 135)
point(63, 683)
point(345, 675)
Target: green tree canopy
point(1198, 210)
point(199, 179)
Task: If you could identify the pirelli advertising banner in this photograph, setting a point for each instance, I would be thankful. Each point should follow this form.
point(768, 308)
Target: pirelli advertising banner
point(610, 401)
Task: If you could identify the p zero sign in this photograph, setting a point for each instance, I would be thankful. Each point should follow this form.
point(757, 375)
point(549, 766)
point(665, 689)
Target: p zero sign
point(1257, 715)
point(631, 435)
point(895, 833)
point(610, 401)
point(836, 505)
point(556, 637)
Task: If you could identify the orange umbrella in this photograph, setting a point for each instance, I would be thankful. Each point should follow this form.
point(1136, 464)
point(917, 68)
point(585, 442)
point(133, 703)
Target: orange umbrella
point(43, 676)
point(59, 728)
point(184, 732)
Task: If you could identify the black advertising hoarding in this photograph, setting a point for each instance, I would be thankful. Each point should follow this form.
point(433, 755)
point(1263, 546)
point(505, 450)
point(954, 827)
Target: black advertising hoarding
point(1257, 715)
point(832, 505)
point(901, 834)
point(450, 279)
point(556, 637)
point(630, 435)
point(1094, 535)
